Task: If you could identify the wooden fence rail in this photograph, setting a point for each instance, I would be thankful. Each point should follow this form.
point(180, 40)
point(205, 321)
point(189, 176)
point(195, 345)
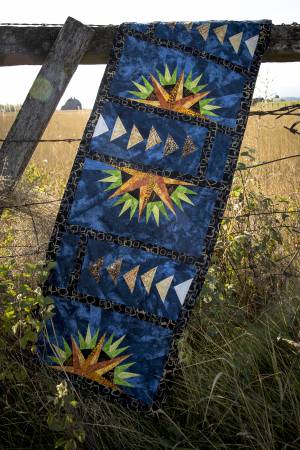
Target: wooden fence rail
point(31, 44)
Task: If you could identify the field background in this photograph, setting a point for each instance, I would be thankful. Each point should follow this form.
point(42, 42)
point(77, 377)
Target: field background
point(266, 135)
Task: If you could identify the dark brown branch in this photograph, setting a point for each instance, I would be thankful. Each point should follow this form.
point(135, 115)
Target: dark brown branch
point(31, 44)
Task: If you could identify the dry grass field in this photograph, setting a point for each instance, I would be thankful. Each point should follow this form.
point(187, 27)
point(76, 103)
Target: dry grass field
point(266, 135)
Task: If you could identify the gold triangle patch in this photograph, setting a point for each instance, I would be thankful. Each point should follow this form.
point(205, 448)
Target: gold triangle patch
point(95, 268)
point(118, 130)
point(170, 146)
point(114, 269)
point(204, 30)
point(236, 40)
point(189, 146)
point(188, 26)
point(130, 278)
point(147, 278)
point(221, 32)
point(135, 137)
point(153, 138)
point(163, 287)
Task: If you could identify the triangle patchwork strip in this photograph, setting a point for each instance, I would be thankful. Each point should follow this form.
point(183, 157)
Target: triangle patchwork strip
point(100, 127)
point(118, 130)
point(221, 32)
point(182, 290)
point(147, 278)
point(163, 287)
point(130, 278)
point(204, 30)
point(153, 138)
point(114, 269)
point(236, 40)
point(251, 44)
point(135, 137)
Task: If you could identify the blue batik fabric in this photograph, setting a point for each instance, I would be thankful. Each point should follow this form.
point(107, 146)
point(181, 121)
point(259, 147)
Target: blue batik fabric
point(141, 211)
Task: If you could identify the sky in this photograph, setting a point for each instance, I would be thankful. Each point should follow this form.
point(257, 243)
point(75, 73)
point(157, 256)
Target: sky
point(274, 78)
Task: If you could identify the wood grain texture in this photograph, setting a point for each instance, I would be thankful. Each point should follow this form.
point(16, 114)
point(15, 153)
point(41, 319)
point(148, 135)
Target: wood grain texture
point(61, 62)
point(30, 45)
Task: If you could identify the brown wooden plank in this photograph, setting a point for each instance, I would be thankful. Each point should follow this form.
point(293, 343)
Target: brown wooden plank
point(62, 60)
point(30, 45)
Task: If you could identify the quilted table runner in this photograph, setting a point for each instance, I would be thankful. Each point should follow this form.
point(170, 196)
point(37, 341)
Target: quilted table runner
point(141, 211)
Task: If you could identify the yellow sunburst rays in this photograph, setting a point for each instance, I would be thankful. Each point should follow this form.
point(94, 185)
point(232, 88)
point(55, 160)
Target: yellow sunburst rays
point(174, 100)
point(90, 367)
point(148, 183)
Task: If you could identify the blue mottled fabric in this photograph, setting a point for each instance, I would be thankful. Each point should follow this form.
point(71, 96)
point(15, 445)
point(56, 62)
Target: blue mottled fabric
point(142, 208)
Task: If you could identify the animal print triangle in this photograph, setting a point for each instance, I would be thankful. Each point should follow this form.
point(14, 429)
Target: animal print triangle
point(170, 146)
point(153, 138)
point(114, 269)
point(95, 268)
point(189, 147)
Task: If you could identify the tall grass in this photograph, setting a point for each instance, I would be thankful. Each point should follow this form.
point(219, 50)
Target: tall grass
point(238, 381)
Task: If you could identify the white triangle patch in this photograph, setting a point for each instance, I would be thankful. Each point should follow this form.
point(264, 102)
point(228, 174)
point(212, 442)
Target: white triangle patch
point(163, 287)
point(118, 130)
point(251, 44)
point(182, 289)
point(236, 40)
point(100, 127)
point(204, 30)
point(221, 32)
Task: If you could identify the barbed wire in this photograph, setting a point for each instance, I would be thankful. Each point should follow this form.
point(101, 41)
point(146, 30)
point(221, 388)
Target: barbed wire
point(9, 24)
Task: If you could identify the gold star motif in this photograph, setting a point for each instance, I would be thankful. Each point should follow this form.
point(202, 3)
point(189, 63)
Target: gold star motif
point(174, 101)
point(90, 367)
point(148, 183)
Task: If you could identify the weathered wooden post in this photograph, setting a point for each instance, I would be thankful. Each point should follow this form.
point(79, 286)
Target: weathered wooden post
point(60, 64)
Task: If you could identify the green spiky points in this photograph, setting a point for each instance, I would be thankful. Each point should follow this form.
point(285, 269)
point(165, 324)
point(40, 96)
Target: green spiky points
point(144, 90)
point(167, 79)
point(121, 375)
point(206, 108)
point(155, 208)
point(181, 195)
point(114, 178)
point(129, 202)
point(192, 85)
point(113, 349)
point(62, 354)
point(89, 342)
